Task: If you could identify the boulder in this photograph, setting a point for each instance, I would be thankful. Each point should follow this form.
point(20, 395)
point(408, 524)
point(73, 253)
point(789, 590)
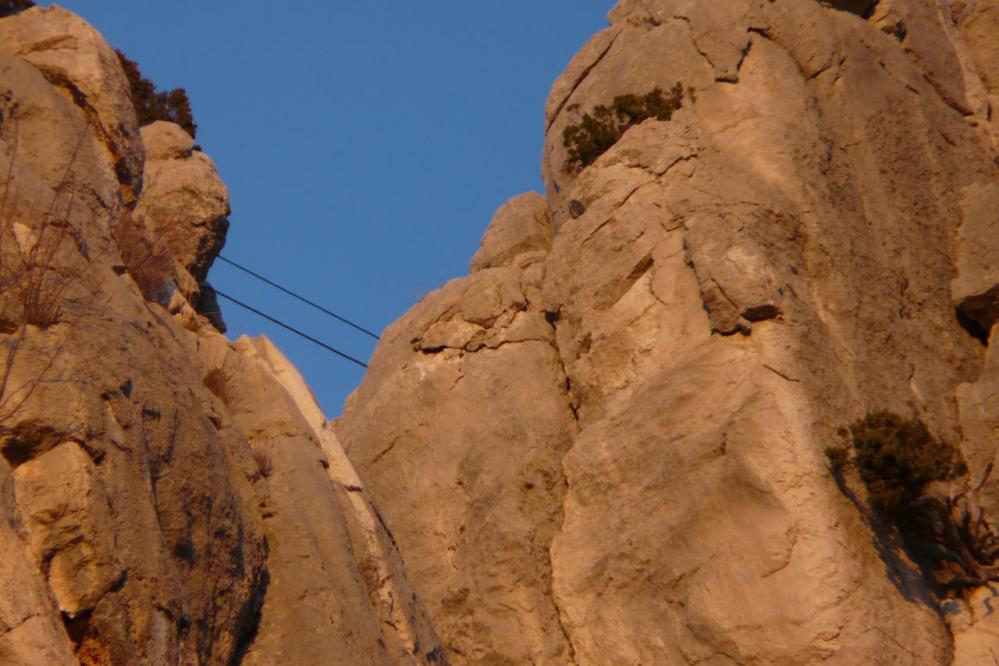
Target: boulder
point(166, 141)
point(66, 513)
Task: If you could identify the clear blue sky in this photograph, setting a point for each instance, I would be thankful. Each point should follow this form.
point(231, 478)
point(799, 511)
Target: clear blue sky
point(365, 145)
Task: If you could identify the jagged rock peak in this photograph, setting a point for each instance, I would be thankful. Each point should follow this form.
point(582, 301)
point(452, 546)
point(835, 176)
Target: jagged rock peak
point(767, 219)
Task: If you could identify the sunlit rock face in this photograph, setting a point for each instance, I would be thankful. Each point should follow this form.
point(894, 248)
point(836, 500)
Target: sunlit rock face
point(166, 496)
point(605, 445)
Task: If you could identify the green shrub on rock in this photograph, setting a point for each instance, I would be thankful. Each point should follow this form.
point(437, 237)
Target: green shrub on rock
point(943, 527)
point(600, 129)
point(896, 458)
point(152, 104)
point(8, 7)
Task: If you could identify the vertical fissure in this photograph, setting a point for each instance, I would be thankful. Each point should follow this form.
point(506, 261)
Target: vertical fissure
point(566, 384)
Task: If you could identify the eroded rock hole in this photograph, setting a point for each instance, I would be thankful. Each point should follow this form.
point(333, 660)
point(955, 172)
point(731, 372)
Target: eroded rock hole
point(979, 313)
point(862, 8)
point(28, 440)
point(762, 312)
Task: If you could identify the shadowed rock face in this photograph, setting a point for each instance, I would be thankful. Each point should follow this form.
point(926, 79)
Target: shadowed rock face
point(608, 447)
point(166, 496)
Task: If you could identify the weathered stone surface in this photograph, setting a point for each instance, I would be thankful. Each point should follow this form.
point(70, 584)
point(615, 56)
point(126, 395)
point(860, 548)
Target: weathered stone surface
point(67, 516)
point(977, 641)
point(30, 630)
point(603, 446)
point(165, 497)
point(476, 456)
point(520, 227)
point(74, 57)
point(978, 402)
point(131, 533)
point(184, 202)
point(338, 591)
point(978, 23)
point(166, 141)
point(724, 291)
point(51, 138)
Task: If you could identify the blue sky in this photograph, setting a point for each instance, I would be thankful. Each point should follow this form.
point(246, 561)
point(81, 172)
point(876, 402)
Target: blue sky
point(365, 145)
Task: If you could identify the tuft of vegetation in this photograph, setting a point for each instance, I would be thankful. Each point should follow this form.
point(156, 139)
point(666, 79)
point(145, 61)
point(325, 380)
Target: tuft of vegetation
point(35, 271)
point(839, 458)
point(217, 382)
point(8, 7)
point(264, 466)
point(898, 457)
point(152, 104)
point(600, 129)
point(148, 262)
point(40, 252)
point(945, 531)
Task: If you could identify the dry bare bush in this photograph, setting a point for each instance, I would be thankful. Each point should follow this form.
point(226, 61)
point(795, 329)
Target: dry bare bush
point(264, 466)
point(217, 382)
point(966, 540)
point(149, 262)
point(34, 271)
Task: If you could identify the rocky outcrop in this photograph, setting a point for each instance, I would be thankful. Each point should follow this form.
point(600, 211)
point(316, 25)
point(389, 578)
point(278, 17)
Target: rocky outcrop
point(74, 57)
point(615, 442)
point(185, 207)
point(30, 629)
point(335, 575)
point(477, 454)
point(978, 21)
point(604, 445)
point(144, 518)
point(183, 203)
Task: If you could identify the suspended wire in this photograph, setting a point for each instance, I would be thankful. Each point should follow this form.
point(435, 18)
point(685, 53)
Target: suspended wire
point(290, 328)
point(301, 298)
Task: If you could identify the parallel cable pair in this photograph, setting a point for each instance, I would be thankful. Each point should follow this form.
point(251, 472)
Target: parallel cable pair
point(288, 327)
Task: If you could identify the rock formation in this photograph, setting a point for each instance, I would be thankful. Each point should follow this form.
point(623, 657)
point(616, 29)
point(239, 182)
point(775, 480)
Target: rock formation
point(168, 497)
point(605, 445)
point(184, 205)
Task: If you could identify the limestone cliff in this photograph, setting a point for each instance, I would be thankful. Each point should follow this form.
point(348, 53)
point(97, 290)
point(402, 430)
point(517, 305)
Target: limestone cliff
point(166, 496)
point(605, 445)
